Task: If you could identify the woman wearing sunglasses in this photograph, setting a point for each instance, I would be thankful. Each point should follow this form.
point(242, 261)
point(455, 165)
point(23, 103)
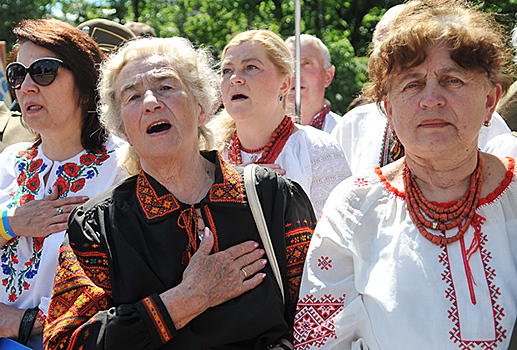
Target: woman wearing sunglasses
point(53, 73)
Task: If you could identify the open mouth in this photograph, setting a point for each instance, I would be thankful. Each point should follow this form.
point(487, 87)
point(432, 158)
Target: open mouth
point(158, 127)
point(33, 107)
point(238, 97)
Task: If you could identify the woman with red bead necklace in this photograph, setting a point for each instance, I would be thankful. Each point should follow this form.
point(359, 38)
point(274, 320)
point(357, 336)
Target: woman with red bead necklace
point(422, 253)
point(256, 73)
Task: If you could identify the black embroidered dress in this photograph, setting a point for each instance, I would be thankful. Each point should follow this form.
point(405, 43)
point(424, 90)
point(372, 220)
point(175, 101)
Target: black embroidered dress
point(126, 246)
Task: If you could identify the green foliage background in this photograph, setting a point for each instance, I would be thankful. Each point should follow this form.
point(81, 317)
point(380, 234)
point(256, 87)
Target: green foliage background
point(345, 26)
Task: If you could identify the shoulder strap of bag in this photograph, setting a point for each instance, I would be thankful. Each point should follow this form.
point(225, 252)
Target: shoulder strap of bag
point(256, 209)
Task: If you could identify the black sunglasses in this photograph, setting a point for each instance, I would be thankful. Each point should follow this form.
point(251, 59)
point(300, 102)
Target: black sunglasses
point(43, 72)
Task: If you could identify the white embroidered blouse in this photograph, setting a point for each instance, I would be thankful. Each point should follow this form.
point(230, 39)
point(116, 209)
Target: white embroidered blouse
point(313, 159)
point(373, 281)
point(28, 265)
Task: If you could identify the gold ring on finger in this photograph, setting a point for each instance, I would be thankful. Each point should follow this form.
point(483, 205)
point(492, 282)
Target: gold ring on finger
point(245, 273)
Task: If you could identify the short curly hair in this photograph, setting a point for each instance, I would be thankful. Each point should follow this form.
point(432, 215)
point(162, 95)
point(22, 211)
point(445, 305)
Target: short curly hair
point(194, 66)
point(476, 40)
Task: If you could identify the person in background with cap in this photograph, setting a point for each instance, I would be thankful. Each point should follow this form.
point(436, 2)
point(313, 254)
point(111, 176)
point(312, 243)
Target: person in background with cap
point(107, 34)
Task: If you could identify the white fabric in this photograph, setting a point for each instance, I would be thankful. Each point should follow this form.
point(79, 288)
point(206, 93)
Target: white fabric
point(372, 281)
point(34, 286)
point(504, 145)
point(360, 133)
point(314, 160)
point(331, 120)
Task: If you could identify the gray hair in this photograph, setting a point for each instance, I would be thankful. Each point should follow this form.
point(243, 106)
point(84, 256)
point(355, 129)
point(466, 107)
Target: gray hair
point(310, 39)
point(194, 67)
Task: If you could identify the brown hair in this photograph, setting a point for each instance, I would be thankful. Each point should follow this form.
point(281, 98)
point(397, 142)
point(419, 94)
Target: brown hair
point(82, 57)
point(477, 42)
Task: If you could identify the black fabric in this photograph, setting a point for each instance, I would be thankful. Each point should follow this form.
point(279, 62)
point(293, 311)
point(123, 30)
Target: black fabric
point(145, 258)
point(513, 341)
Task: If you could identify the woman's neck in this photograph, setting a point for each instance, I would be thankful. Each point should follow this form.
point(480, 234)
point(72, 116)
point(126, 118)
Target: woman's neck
point(187, 178)
point(61, 149)
point(254, 133)
point(443, 180)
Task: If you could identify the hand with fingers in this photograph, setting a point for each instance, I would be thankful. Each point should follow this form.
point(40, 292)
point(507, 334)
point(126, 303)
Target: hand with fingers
point(40, 218)
point(212, 279)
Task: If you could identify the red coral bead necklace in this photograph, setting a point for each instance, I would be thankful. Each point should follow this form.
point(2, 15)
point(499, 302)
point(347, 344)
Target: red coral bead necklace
point(442, 218)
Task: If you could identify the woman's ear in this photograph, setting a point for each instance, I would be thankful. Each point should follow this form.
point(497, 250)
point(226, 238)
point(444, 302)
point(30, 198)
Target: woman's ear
point(286, 84)
point(492, 98)
point(202, 116)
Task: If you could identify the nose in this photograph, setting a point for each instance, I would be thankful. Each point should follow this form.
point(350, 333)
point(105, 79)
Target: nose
point(28, 85)
point(237, 78)
point(432, 95)
point(151, 102)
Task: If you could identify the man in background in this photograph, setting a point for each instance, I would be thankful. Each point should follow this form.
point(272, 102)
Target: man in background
point(316, 74)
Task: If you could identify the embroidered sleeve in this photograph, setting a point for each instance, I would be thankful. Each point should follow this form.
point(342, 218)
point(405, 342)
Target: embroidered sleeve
point(300, 223)
point(330, 311)
point(82, 312)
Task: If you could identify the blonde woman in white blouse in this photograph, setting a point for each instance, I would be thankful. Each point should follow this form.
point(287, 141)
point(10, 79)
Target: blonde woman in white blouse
point(256, 71)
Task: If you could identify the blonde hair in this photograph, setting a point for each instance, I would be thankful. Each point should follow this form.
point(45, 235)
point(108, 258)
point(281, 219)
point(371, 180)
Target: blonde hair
point(194, 67)
point(278, 53)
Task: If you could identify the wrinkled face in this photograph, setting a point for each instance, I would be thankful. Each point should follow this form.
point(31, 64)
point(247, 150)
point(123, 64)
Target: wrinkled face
point(438, 107)
point(314, 77)
point(160, 115)
point(52, 109)
point(250, 83)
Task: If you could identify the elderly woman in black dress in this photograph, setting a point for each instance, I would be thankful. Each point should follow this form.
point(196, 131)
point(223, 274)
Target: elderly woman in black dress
point(169, 259)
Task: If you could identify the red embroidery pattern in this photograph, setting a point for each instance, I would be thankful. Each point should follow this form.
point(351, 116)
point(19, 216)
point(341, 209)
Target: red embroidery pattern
point(314, 320)
point(231, 189)
point(211, 225)
point(153, 205)
point(450, 293)
point(73, 288)
point(324, 263)
point(392, 149)
point(361, 182)
point(298, 236)
point(157, 318)
point(319, 119)
point(71, 177)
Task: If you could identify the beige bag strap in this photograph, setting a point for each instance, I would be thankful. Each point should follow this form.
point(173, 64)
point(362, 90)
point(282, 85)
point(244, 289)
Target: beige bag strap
point(258, 215)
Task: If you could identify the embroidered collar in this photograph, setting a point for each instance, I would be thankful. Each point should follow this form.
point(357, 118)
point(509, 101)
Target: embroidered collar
point(319, 119)
point(392, 149)
point(156, 201)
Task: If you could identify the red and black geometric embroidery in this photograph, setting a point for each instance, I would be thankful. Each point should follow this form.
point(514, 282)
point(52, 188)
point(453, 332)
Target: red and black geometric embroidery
point(158, 321)
point(453, 314)
point(314, 320)
point(74, 289)
point(153, 205)
point(298, 237)
point(231, 189)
